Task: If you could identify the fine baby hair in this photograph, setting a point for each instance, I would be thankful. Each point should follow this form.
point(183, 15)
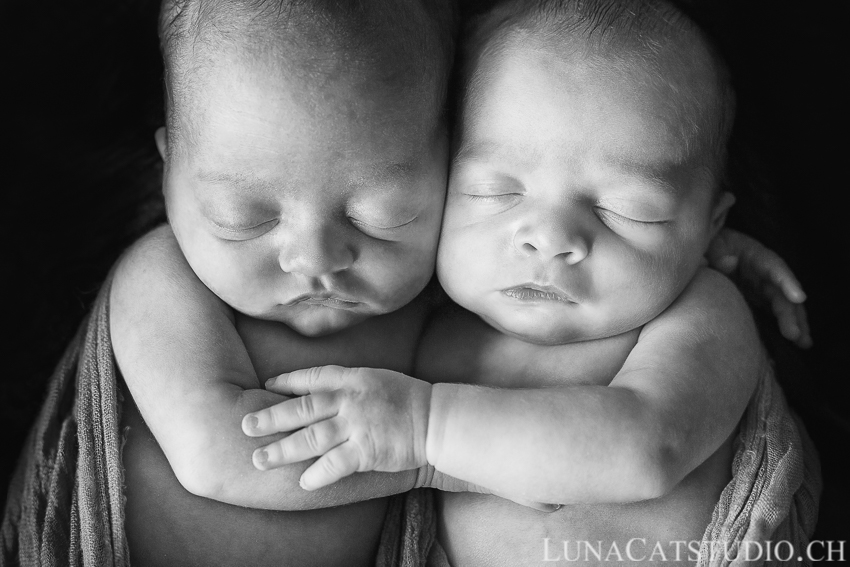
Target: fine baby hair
point(402, 45)
point(652, 39)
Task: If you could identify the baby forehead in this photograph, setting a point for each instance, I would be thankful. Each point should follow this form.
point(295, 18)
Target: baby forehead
point(686, 104)
point(685, 62)
point(533, 96)
point(291, 143)
point(237, 104)
point(356, 54)
point(317, 41)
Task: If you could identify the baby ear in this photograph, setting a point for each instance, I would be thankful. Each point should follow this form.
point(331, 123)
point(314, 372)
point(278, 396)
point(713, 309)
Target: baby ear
point(718, 212)
point(161, 137)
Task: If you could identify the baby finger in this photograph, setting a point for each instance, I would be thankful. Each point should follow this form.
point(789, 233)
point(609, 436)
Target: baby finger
point(778, 271)
point(336, 464)
point(291, 414)
point(785, 313)
point(304, 444)
point(805, 338)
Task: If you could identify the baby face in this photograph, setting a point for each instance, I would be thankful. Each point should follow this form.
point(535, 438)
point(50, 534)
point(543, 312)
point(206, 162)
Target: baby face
point(573, 210)
point(315, 207)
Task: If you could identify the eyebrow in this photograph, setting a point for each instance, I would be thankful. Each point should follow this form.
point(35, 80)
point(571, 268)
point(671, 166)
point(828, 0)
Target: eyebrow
point(239, 180)
point(488, 148)
point(395, 170)
point(656, 180)
point(657, 174)
point(379, 172)
point(477, 150)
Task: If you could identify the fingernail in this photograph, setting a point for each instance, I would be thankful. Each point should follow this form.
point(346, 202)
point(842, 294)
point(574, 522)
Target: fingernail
point(270, 382)
point(261, 456)
point(252, 421)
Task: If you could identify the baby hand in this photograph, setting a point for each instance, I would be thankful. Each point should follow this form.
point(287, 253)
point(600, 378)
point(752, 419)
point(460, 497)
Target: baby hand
point(354, 419)
point(762, 271)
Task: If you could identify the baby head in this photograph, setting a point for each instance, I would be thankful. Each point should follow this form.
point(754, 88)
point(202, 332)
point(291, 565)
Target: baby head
point(585, 182)
point(305, 152)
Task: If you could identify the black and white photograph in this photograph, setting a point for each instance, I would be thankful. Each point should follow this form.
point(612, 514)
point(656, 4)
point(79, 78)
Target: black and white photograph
point(424, 283)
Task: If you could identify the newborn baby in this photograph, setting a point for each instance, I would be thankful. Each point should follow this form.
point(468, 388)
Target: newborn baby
point(305, 156)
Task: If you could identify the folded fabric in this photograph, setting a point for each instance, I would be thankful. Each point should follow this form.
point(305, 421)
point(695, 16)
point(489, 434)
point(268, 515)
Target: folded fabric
point(772, 500)
point(65, 504)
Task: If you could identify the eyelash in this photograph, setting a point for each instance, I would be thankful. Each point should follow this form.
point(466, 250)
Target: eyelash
point(240, 232)
point(489, 197)
point(618, 217)
point(626, 220)
point(365, 227)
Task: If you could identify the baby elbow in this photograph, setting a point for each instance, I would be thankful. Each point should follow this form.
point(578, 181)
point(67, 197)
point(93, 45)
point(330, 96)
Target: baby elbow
point(655, 482)
point(658, 472)
point(198, 478)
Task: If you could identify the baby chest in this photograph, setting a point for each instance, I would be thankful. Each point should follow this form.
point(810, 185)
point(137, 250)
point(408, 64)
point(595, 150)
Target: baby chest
point(478, 354)
point(381, 342)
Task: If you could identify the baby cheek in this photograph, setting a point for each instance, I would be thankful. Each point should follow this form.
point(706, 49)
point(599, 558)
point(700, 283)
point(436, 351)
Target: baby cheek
point(680, 261)
point(660, 279)
point(632, 284)
point(449, 260)
point(464, 260)
point(426, 237)
point(396, 275)
point(240, 278)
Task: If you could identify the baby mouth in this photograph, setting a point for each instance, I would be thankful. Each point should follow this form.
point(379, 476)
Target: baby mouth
point(323, 301)
point(533, 292)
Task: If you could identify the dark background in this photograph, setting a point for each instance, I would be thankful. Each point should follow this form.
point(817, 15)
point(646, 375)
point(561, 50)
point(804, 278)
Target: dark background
point(80, 175)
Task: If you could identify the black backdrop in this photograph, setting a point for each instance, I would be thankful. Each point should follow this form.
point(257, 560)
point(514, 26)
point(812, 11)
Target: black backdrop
point(80, 181)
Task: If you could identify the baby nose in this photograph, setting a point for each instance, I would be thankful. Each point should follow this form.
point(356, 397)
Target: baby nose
point(552, 238)
point(315, 251)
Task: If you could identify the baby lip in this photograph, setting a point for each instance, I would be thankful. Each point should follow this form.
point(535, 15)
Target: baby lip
point(537, 292)
point(325, 299)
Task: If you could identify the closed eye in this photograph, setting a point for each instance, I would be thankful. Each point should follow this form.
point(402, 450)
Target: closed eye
point(392, 227)
point(380, 232)
point(607, 214)
point(472, 197)
point(240, 233)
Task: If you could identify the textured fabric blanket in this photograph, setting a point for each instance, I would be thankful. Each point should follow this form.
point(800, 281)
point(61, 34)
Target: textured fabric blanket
point(65, 503)
point(66, 506)
point(774, 492)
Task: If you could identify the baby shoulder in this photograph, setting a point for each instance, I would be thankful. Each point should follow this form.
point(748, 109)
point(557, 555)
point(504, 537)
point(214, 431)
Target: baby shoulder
point(154, 256)
point(153, 269)
point(709, 326)
point(710, 303)
point(154, 292)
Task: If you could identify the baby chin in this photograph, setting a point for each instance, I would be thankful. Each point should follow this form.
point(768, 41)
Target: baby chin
point(547, 322)
point(320, 319)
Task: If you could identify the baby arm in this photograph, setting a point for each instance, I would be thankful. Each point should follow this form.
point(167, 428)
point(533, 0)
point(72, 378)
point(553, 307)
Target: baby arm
point(679, 395)
point(190, 375)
